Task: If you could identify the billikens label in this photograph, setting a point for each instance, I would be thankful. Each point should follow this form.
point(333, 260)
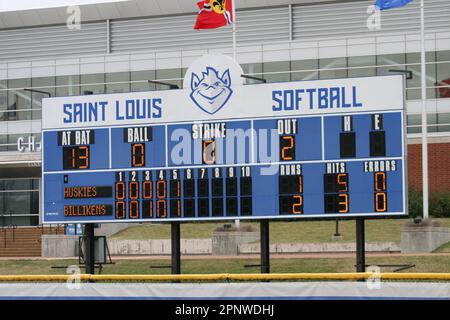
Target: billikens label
point(88, 210)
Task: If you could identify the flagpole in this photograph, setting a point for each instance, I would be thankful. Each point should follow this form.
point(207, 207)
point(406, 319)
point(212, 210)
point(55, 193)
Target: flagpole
point(424, 112)
point(234, 28)
point(237, 221)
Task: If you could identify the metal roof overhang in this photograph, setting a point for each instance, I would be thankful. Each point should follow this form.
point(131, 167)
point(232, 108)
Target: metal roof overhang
point(125, 9)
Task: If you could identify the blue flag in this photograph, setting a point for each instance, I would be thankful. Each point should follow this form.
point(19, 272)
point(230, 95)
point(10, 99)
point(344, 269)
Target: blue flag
point(390, 4)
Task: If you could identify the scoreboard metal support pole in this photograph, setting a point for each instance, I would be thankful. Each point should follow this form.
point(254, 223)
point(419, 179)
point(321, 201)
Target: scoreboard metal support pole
point(265, 249)
point(176, 264)
point(360, 246)
point(89, 248)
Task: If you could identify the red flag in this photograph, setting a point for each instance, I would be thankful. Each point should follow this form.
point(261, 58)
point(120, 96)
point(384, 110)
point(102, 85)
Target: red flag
point(214, 14)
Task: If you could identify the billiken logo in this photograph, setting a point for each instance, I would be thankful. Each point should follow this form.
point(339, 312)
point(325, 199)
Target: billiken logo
point(212, 91)
point(210, 80)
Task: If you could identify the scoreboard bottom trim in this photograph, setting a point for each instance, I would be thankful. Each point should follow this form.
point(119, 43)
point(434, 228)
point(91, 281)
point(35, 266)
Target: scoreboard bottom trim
point(350, 216)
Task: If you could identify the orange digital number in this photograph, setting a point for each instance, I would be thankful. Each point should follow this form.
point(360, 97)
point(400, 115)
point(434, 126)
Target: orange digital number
point(85, 157)
point(380, 181)
point(161, 191)
point(134, 209)
point(343, 200)
point(133, 188)
point(297, 206)
point(178, 208)
point(74, 158)
point(150, 209)
point(147, 189)
point(287, 148)
point(342, 181)
point(209, 151)
point(138, 155)
point(380, 202)
point(120, 210)
point(161, 204)
point(300, 184)
point(178, 193)
point(120, 190)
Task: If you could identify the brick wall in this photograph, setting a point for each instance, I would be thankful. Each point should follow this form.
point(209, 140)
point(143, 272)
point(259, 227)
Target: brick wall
point(438, 166)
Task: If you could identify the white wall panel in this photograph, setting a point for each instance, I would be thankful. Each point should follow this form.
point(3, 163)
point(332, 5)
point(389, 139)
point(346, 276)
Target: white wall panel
point(391, 48)
point(3, 73)
point(304, 54)
point(43, 71)
point(332, 52)
point(67, 69)
point(349, 19)
point(17, 73)
point(52, 41)
point(117, 66)
point(361, 50)
point(92, 65)
point(176, 32)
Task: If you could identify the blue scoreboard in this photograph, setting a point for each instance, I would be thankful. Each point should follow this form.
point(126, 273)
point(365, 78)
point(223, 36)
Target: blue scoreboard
point(217, 149)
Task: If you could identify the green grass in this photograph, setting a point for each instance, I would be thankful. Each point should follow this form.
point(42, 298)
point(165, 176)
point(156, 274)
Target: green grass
point(280, 232)
point(444, 248)
point(432, 263)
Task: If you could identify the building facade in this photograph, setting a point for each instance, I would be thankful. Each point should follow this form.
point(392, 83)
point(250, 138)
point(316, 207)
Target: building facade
point(118, 46)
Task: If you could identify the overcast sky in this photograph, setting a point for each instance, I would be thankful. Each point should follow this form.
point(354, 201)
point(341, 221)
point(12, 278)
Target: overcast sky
point(18, 5)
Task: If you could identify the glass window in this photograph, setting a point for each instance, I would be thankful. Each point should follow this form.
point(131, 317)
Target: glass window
point(45, 84)
point(3, 146)
point(123, 77)
point(3, 94)
point(169, 76)
point(19, 201)
point(95, 81)
point(415, 57)
point(183, 72)
point(443, 120)
point(391, 59)
point(67, 86)
point(252, 69)
point(413, 94)
point(416, 70)
point(19, 184)
point(443, 74)
point(305, 69)
point(355, 65)
point(391, 62)
point(12, 141)
point(277, 66)
point(432, 121)
point(19, 101)
point(3, 99)
point(25, 221)
point(383, 71)
point(143, 76)
point(338, 64)
point(413, 123)
point(443, 56)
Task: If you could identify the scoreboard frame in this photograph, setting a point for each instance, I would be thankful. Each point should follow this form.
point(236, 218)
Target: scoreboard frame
point(288, 153)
